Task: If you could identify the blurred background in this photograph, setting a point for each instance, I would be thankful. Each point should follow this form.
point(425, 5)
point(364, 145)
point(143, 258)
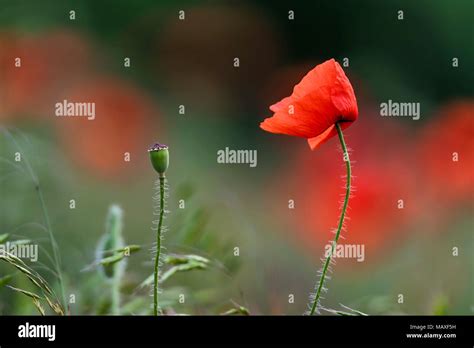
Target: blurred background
point(182, 89)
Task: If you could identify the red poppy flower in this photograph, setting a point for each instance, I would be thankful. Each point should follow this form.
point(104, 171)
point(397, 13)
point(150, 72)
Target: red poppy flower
point(50, 62)
point(321, 99)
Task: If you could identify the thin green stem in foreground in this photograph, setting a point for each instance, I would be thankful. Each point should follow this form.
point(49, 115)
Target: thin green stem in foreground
point(341, 220)
point(158, 244)
point(116, 294)
point(54, 244)
point(115, 242)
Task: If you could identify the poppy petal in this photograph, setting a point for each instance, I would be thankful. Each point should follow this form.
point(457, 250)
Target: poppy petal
point(281, 105)
point(305, 117)
point(321, 99)
point(322, 75)
point(315, 142)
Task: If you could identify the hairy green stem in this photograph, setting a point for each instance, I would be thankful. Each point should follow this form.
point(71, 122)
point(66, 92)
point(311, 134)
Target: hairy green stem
point(341, 220)
point(158, 244)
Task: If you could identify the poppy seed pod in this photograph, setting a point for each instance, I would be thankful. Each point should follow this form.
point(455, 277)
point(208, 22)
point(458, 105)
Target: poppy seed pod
point(159, 157)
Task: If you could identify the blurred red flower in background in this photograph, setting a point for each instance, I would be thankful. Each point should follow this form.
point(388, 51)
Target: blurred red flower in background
point(321, 99)
point(49, 62)
point(121, 125)
point(446, 153)
point(57, 66)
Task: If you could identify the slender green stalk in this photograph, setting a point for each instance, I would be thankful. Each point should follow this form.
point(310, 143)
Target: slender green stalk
point(54, 244)
point(341, 220)
point(111, 257)
point(158, 244)
point(116, 295)
point(114, 229)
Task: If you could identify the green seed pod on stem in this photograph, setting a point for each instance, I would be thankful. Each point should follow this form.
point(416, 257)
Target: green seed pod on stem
point(159, 157)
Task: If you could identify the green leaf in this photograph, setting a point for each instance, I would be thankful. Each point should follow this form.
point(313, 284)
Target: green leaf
point(181, 263)
point(129, 248)
point(112, 259)
point(5, 280)
point(25, 292)
point(174, 259)
point(3, 237)
point(182, 268)
point(237, 310)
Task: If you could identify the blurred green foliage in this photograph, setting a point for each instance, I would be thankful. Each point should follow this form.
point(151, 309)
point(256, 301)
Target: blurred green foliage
point(397, 59)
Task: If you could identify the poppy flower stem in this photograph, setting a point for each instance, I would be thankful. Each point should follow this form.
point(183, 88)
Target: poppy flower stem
point(341, 221)
point(158, 244)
